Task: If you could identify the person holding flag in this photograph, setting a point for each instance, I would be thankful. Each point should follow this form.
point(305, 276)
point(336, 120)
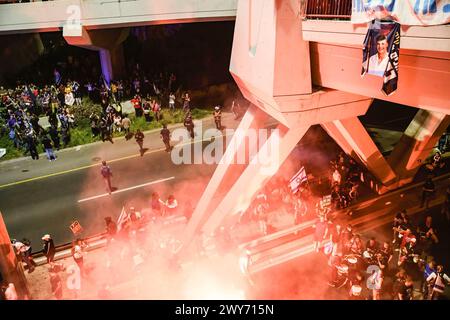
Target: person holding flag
point(297, 180)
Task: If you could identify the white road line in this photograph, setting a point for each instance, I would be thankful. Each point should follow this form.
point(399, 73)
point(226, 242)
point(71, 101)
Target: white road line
point(126, 189)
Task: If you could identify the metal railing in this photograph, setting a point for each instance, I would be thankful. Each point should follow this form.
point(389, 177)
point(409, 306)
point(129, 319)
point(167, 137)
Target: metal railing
point(329, 9)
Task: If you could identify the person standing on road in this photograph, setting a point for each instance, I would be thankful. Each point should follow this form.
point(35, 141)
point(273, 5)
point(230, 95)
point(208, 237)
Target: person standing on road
point(165, 136)
point(218, 117)
point(106, 174)
point(186, 102)
point(189, 124)
point(427, 193)
point(104, 131)
point(139, 136)
point(321, 230)
point(78, 247)
point(49, 248)
point(48, 148)
point(31, 142)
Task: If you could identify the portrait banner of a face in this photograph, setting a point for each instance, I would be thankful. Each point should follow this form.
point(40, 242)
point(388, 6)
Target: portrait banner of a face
point(381, 53)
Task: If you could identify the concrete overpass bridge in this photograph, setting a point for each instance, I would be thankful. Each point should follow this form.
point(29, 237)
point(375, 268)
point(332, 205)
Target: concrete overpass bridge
point(301, 72)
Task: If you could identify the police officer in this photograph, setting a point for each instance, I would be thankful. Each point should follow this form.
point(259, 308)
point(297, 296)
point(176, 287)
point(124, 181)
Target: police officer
point(189, 124)
point(139, 136)
point(218, 117)
point(105, 133)
point(165, 136)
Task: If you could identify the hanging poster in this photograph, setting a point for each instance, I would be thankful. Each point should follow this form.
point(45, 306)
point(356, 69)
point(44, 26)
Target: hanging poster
point(405, 12)
point(381, 53)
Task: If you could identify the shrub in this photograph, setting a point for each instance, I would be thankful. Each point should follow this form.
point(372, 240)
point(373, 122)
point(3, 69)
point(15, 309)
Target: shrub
point(86, 108)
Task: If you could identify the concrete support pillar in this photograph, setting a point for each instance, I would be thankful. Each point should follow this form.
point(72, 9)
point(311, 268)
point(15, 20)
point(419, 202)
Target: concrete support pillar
point(269, 58)
point(417, 143)
point(276, 149)
point(236, 145)
point(108, 42)
point(353, 138)
point(112, 62)
point(105, 63)
point(10, 268)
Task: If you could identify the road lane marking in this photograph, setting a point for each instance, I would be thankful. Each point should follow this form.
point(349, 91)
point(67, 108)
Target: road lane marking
point(98, 164)
point(126, 189)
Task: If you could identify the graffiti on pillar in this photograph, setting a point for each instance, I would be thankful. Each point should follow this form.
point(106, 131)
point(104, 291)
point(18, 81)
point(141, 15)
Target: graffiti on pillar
point(405, 12)
point(381, 53)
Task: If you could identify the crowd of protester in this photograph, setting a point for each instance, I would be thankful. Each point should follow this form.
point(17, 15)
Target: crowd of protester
point(392, 269)
point(339, 190)
point(21, 108)
point(20, 111)
point(397, 265)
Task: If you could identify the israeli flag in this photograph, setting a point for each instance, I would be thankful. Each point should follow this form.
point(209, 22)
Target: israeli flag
point(298, 179)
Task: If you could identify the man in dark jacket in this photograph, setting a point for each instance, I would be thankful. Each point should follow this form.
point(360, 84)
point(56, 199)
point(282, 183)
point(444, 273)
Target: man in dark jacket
point(189, 124)
point(218, 117)
point(49, 248)
point(31, 142)
point(54, 135)
point(165, 136)
point(139, 136)
point(48, 148)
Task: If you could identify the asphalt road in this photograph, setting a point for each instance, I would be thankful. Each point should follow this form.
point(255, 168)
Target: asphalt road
point(35, 208)
point(39, 197)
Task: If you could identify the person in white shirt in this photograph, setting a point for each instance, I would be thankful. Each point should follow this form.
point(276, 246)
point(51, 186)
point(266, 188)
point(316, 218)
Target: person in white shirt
point(170, 206)
point(439, 279)
point(11, 293)
point(172, 101)
point(336, 177)
point(378, 62)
